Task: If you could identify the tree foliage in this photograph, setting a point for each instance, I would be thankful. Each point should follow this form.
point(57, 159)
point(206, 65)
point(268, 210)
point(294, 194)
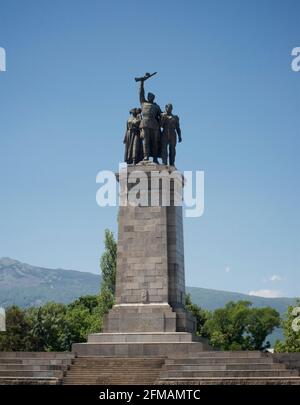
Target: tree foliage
point(291, 331)
point(237, 326)
point(199, 314)
point(17, 336)
point(108, 265)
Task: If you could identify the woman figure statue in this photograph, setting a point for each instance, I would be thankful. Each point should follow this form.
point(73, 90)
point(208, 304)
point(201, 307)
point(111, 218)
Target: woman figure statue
point(132, 140)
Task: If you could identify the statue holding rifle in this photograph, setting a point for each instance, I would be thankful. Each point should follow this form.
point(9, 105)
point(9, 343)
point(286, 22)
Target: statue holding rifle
point(150, 123)
point(143, 138)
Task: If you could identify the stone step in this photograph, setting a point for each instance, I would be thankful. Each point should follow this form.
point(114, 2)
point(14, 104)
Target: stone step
point(110, 372)
point(224, 367)
point(32, 367)
point(137, 349)
point(35, 361)
point(146, 337)
point(117, 370)
point(230, 381)
point(228, 373)
point(223, 354)
point(219, 360)
point(99, 360)
point(31, 373)
point(109, 379)
point(108, 382)
point(29, 381)
point(37, 355)
point(113, 369)
point(113, 376)
point(116, 366)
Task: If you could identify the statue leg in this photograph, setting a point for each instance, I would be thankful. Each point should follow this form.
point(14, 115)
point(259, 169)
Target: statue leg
point(146, 144)
point(164, 149)
point(134, 150)
point(172, 152)
point(155, 135)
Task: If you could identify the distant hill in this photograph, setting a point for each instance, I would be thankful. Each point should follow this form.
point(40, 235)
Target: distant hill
point(26, 285)
point(213, 299)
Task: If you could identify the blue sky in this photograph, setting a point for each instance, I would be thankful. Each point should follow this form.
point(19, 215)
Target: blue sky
point(65, 97)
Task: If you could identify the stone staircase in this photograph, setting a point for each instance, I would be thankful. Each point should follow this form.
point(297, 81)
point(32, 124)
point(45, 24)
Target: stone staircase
point(113, 371)
point(192, 367)
point(247, 368)
point(33, 367)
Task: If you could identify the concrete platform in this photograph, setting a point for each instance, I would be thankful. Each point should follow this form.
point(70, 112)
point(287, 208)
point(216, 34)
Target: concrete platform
point(139, 349)
point(143, 337)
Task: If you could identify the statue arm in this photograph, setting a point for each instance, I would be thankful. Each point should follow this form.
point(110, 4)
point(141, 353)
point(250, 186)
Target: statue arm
point(159, 115)
point(142, 92)
point(162, 120)
point(125, 136)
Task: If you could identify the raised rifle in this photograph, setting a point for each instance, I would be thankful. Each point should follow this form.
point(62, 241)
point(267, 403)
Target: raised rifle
point(146, 77)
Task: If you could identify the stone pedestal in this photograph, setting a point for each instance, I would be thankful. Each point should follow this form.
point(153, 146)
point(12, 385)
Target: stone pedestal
point(150, 281)
point(150, 284)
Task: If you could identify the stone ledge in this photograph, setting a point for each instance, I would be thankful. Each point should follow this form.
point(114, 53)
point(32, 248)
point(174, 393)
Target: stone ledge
point(139, 349)
point(143, 337)
point(230, 381)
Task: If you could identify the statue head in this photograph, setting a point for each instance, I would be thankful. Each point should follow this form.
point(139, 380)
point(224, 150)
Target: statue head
point(135, 111)
point(169, 108)
point(151, 97)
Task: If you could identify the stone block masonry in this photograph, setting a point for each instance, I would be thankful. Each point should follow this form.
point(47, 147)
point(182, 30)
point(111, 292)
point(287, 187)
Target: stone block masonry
point(150, 280)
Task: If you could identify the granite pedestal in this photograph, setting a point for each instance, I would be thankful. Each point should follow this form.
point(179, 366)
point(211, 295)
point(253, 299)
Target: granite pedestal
point(150, 279)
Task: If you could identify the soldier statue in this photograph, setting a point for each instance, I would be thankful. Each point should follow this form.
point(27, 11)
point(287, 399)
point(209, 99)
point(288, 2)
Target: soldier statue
point(171, 129)
point(132, 140)
point(150, 123)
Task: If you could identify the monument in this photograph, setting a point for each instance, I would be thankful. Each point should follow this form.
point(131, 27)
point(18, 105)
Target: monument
point(149, 314)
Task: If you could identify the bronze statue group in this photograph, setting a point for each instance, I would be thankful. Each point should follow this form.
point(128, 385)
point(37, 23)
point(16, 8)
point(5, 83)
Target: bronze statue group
point(151, 132)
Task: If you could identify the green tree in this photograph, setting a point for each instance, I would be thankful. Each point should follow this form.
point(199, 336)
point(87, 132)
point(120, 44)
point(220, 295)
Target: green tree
point(237, 326)
point(17, 336)
point(50, 327)
point(89, 302)
point(81, 322)
point(261, 322)
point(38, 330)
point(85, 316)
point(199, 314)
point(108, 265)
point(291, 331)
